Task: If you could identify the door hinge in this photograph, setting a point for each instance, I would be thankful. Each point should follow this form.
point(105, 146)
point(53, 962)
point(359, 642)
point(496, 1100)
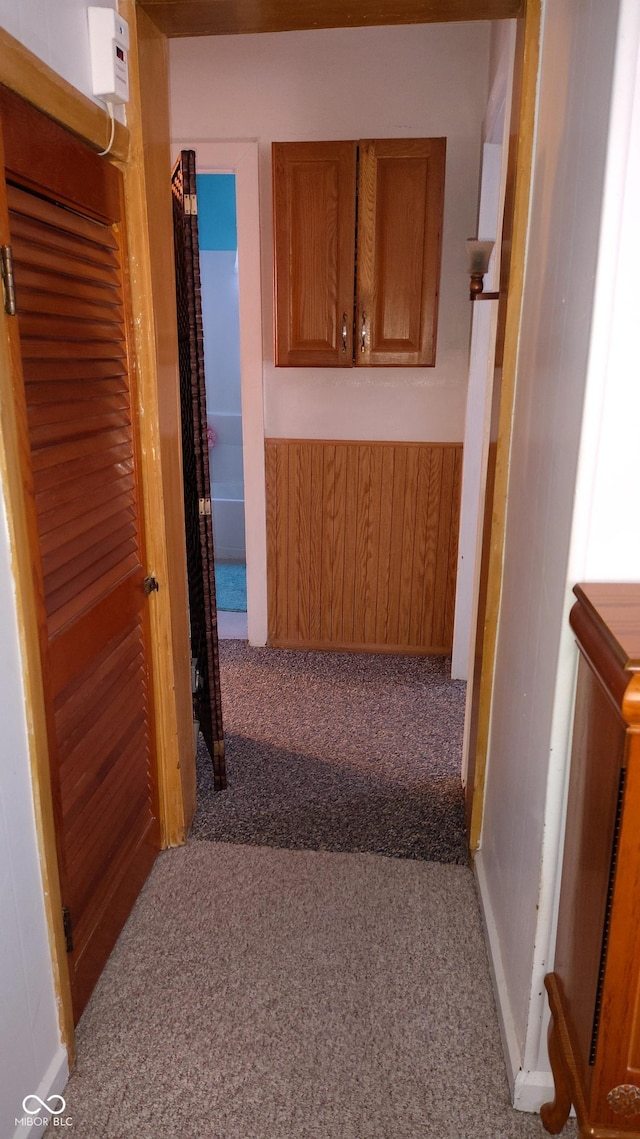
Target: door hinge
point(190, 205)
point(204, 506)
point(150, 584)
point(68, 931)
point(6, 267)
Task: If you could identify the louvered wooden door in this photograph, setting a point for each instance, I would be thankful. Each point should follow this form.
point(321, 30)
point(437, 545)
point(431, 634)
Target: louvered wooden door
point(64, 208)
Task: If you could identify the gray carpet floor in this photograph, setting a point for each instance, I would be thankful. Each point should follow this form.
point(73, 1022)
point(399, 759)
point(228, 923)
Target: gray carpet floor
point(258, 993)
point(338, 752)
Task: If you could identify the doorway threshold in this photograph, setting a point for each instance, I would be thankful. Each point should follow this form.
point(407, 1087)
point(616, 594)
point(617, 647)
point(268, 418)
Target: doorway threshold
point(232, 626)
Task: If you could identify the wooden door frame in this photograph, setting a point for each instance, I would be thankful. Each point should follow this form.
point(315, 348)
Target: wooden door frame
point(39, 85)
point(141, 158)
point(514, 244)
point(241, 158)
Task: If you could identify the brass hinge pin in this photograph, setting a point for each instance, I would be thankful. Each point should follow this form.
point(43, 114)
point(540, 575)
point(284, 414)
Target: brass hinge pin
point(6, 267)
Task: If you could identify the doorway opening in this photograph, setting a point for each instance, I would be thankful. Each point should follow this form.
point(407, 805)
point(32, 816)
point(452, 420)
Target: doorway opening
point(240, 158)
point(217, 231)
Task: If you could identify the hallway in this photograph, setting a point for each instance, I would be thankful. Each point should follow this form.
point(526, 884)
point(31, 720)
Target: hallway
point(293, 981)
point(259, 993)
point(338, 751)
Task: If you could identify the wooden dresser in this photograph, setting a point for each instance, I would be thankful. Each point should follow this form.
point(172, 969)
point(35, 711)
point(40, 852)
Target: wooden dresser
point(594, 990)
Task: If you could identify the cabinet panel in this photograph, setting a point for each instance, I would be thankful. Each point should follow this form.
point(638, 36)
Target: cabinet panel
point(594, 990)
point(357, 275)
point(598, 744)
point(400, 206)
point(314, 214)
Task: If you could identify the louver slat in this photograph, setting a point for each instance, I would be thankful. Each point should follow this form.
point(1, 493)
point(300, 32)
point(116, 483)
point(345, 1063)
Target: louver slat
point(25, 205)
point(77, 395)
point(59, 286)
point(65, 514)
point(74, 426)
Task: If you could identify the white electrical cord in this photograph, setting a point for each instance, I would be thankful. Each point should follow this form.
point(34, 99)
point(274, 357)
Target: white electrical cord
point(113, 130)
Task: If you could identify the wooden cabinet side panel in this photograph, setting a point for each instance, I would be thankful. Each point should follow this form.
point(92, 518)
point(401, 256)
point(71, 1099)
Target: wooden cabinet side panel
point(361, 542)
point(400, 210)
point(598, 744)
point(314, 196)
point(618, 1055)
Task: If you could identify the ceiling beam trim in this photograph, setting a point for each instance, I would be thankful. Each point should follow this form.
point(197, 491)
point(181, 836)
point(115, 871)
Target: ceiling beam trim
point(179, 18)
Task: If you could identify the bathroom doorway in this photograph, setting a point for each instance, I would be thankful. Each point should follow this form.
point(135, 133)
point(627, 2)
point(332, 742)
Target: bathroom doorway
point(218, 242)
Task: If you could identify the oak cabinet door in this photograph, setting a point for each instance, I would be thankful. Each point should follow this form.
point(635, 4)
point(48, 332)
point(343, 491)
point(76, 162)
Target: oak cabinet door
point(400, 207)
point(358, 234)
point(314, 212)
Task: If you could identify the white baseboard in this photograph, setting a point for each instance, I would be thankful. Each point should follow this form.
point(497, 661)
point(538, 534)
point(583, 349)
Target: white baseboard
point(532, 1089)
point(53, 1082)
point(529, 1090)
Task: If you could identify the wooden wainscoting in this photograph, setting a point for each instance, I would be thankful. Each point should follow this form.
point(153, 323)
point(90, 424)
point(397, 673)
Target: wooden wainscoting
point(362, 544)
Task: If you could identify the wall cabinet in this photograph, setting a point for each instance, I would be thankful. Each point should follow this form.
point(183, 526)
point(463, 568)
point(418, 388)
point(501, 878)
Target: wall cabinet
point(594, 990)
point(358, 234)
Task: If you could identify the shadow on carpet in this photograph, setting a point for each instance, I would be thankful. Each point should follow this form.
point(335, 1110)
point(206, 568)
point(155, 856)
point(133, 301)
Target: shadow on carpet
point(337, 752)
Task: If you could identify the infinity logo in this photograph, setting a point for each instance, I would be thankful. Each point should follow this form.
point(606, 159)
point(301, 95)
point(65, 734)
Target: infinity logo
point(44, 1105)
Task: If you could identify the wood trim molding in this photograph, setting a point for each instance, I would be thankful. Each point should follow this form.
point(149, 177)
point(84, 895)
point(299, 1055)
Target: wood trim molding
point(521, 153)
point(180, 18)
point(35, 81)
point(150, 239)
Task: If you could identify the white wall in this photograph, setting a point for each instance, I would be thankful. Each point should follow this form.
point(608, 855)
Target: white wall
point(352, 83)
point(568, 514)
point(32, 1059)
point(606, 538)
point(478, 424)
point(496, 129)
point(56, 31)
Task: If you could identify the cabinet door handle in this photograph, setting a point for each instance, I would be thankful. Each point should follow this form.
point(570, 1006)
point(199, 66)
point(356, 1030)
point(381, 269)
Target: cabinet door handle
point(363, 332)
point(344, 332)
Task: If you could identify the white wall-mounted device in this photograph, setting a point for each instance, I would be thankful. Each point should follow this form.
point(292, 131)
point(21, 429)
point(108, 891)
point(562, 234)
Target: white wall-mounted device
point(109, 44)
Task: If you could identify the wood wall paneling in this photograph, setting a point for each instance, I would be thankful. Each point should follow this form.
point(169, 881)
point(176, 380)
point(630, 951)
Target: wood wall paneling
point(362, 544)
